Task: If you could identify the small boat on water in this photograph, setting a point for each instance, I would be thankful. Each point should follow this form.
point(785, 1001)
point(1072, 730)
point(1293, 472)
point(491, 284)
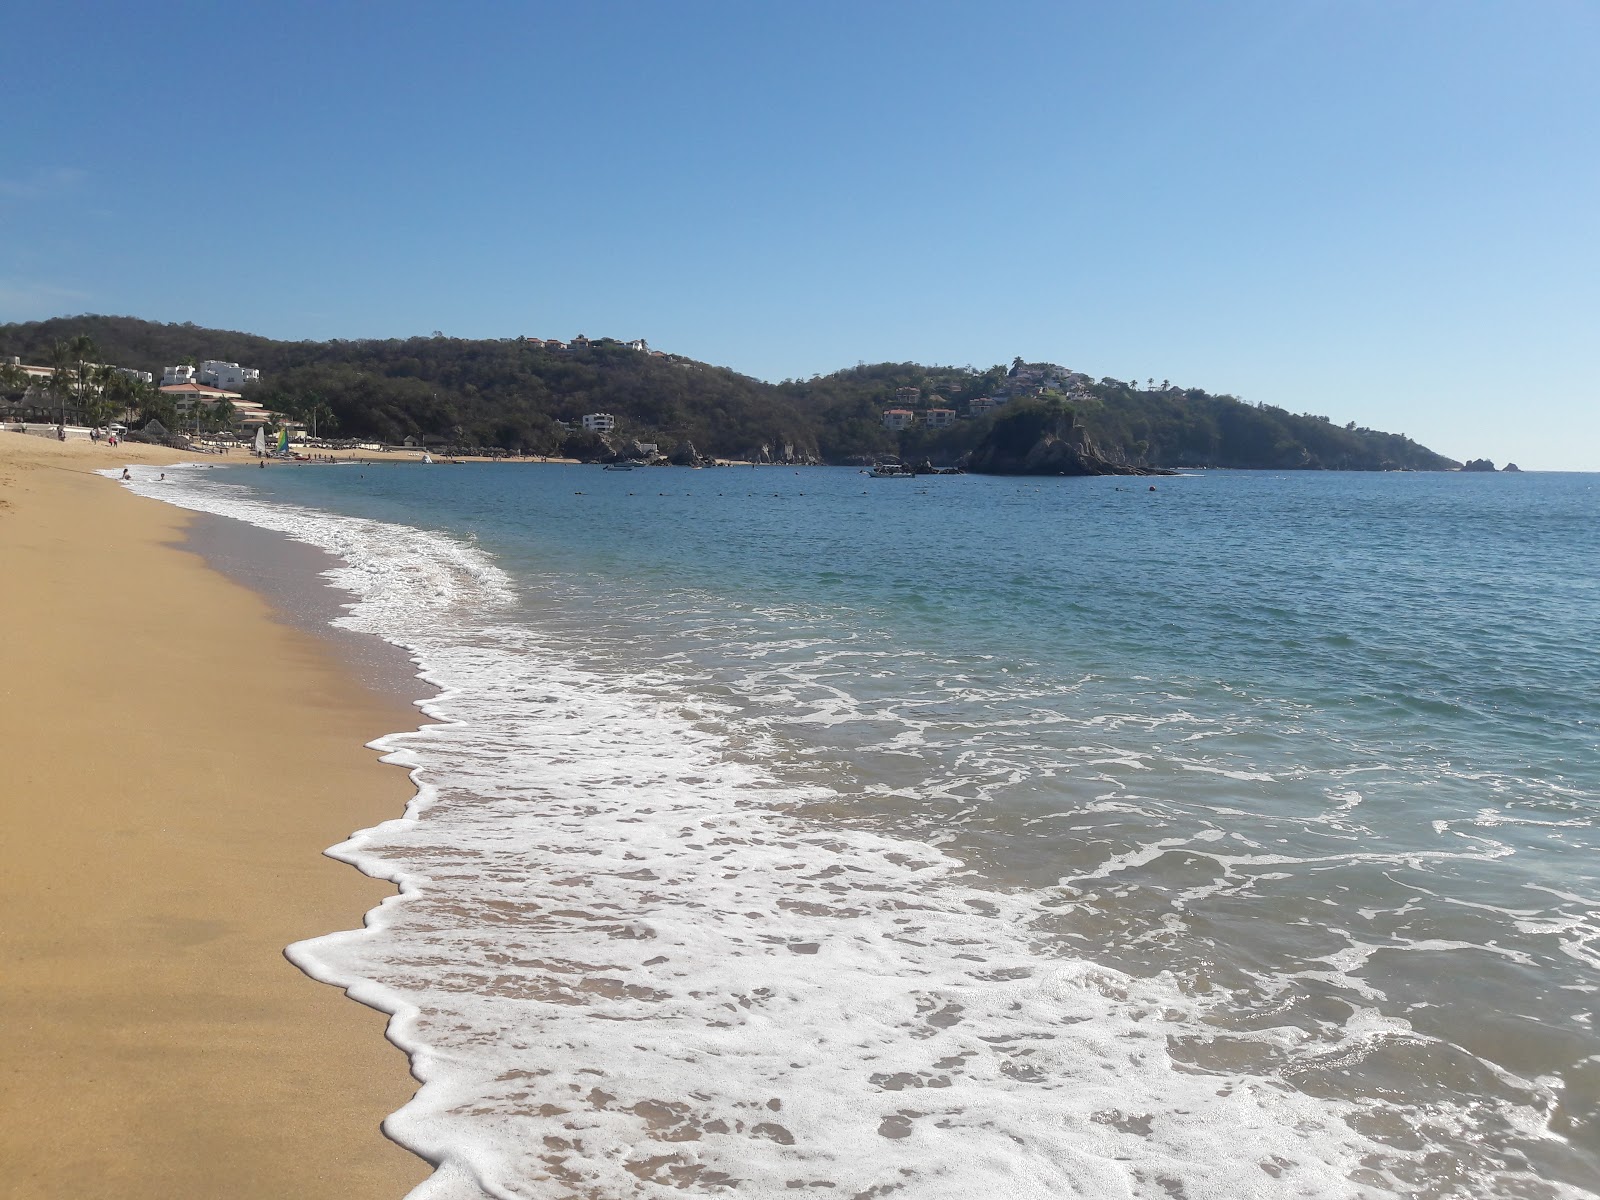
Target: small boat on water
point(427, 458)
point(886, 470)
point(625, 465)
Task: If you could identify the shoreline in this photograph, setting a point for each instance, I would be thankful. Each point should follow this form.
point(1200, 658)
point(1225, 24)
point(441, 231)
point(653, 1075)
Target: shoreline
point(182, 754)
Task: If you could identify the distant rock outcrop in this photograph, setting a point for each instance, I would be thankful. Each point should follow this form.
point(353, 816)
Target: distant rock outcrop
point(1043, 439)
point(1511, 467)
point(1478, 464)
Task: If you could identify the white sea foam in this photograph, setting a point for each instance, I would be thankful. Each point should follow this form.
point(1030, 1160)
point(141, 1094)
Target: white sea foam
point(627, 964)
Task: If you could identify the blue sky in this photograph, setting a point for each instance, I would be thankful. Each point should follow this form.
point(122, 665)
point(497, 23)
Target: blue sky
point(1380, 212)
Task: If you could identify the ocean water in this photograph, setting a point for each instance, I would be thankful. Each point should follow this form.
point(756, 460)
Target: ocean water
point(790, 833)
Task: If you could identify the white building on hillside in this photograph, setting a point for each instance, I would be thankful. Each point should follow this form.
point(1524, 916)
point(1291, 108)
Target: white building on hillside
point(226, 374)
point(173, 376)
point(599, 422)
point(940, 418)
point(898, 418)
point(136, 375)
point(246, 413)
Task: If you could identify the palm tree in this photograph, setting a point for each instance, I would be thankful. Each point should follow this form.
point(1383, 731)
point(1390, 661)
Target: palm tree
point(123, 394)
point(14, 383)
point(319, 410)
point(138, 396)
point(61, 376)
point(100, 402)
point(13, 378)
point(84, 352)
point(71, 368)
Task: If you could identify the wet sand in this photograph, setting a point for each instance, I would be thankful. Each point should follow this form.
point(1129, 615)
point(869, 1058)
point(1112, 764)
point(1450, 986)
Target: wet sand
point(173, 761)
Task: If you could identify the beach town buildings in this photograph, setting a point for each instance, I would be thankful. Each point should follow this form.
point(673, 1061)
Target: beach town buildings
point(220, 374)
point(246, 413)
point(896, 419)
point(907, 395)
point(42, 395)
point(984, 405)
point(599, 422)
point(211, 373)
point(186, 395)
point(35, 374)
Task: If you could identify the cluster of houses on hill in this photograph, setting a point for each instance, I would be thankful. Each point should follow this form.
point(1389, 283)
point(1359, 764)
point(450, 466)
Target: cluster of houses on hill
point(909, 410)
point(599, 422)
point(211, 373)
point(580, 343)
point(211, 384)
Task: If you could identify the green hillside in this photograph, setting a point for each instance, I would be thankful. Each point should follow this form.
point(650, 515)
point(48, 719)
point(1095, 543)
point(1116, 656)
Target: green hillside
point(511, 393)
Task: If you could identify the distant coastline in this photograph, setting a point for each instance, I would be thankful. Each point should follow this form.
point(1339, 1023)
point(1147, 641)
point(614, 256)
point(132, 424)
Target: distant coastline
point(601, 399)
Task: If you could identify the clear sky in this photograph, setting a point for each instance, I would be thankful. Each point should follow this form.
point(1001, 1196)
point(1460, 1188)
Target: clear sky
point(1386, 212)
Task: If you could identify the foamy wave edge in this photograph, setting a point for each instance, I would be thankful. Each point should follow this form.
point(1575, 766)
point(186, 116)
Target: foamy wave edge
point(1105, 1112)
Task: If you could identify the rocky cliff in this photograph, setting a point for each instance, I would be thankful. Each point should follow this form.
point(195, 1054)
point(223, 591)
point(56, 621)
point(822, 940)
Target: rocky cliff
point(1044, 439)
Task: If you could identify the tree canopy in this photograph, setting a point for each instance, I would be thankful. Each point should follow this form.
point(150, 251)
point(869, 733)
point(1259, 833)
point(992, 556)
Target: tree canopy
point(521, 394)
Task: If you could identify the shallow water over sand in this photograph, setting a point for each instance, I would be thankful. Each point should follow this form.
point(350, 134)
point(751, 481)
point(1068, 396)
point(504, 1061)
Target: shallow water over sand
point(808, 832)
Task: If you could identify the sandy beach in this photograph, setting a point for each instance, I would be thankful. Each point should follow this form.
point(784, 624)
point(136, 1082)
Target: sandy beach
point(175, 760)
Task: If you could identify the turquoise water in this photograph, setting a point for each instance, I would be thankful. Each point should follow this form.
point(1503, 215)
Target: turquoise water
point(1290, 778)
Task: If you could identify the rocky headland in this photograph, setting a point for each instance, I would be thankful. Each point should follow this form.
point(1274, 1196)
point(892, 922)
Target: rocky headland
point(1044, 439)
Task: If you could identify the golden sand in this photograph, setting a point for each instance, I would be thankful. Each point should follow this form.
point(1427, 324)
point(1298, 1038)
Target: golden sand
point(173, 761)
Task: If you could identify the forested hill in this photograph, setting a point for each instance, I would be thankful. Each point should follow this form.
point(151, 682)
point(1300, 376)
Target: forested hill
point(508, 392)
point(512, 392)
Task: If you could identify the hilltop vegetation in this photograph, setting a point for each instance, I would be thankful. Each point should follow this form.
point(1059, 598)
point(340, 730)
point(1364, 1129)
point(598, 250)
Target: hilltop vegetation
point(512, 393)
point(1154, 426)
